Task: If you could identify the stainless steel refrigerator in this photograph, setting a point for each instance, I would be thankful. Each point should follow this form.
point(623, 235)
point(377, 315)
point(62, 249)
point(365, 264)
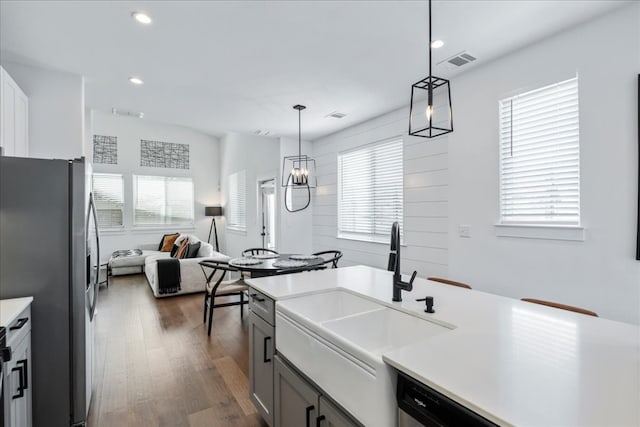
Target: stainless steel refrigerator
point(49, 249)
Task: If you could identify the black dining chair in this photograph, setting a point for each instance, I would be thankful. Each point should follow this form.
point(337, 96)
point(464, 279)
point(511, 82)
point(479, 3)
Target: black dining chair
point(330, 257)
point(258, 251)
point(218, 287)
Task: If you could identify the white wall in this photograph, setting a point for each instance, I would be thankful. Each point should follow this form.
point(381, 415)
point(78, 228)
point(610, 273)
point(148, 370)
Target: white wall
point(56, 110)
point(453, 180)
point(259, 156)
point(599, 273)
point(204, 169)
point(295, 227)
point(425, 197)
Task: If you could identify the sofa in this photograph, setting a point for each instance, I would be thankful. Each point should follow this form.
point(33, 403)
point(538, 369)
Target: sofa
point(191, 275)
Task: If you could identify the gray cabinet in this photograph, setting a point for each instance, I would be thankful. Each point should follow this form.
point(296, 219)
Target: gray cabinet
point(332, 416)
point(297, 403)
point(17, 373)
point(261, 353)
point(20, 384)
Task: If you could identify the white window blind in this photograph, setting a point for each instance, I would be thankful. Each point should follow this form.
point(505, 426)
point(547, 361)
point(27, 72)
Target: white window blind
point(237, 211)
point(160, 200)
point(370, 191)
point(540, 156)
point(109, 200)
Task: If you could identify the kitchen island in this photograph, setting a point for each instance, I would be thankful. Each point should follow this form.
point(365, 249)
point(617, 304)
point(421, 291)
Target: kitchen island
point(512, 362)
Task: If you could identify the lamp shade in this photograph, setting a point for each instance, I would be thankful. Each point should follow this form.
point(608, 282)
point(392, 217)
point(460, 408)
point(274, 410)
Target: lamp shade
point(213, 211)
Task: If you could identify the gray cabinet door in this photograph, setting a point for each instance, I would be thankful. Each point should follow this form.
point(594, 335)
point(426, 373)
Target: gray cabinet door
point(332, 416)
point(261, 351)
point(19, 389)
point(296, 401)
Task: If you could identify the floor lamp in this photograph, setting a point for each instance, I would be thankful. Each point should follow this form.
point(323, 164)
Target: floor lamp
point(213, 212)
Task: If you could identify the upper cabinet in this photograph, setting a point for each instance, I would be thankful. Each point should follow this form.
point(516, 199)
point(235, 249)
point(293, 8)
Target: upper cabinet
point(14, 117)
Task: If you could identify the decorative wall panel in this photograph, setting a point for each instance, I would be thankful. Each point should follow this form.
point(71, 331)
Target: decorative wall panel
point(158, 154)
point(105, 149)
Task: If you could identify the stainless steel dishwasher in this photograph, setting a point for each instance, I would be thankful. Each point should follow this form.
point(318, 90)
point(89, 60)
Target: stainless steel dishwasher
point(420, 405)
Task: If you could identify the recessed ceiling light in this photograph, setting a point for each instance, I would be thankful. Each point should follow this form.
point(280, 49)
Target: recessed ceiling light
point(141, 17)
point(136, 80)
point(437, 43)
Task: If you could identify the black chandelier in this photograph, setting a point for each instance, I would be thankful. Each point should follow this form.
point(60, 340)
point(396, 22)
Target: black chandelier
point(438, 118)
point(298, 175)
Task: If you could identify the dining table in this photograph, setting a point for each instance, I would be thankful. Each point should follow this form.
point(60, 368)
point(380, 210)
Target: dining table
point(270, 264)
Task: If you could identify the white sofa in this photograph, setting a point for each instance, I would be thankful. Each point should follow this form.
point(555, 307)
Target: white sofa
point(191, 277)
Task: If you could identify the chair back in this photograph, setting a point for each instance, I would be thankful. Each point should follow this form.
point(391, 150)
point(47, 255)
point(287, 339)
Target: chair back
point(330, 257)
point(561, 306)
point(449, 282)
point(258, 251)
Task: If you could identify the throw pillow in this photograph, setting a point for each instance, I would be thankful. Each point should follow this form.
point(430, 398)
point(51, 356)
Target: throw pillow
point(182, 250)
point(174, 250)
point(167, 242)
point(192, 252)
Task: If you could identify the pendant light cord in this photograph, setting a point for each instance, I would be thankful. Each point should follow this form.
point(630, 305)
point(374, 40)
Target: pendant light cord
point(299, 136)
point(430, 44)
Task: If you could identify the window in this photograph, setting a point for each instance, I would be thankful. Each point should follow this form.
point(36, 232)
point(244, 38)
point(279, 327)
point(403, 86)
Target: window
point(370, 191)
point(161, 200)
point(540, 157)
point(237, 211)
point(108, 198)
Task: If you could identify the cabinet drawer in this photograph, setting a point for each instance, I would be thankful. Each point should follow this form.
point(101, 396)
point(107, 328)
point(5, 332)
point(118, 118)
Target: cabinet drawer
point(19, 328)
point(262, 305)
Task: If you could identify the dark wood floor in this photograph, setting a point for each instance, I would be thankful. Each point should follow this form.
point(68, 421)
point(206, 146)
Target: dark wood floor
point(157, 367)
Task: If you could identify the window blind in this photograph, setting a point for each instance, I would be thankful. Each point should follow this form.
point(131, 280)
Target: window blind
point(108, 198)
point(370, 191)
point(160, 200)
point(540, 156)
point(237, 212)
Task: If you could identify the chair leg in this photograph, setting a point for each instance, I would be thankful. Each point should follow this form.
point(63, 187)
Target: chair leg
point(241, 305)
point(204, 310)
point(211, 304)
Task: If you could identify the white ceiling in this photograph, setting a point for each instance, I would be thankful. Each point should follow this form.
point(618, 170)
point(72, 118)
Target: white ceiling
point(241, 66)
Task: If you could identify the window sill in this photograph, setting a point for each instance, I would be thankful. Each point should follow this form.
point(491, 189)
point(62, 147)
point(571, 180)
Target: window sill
point(168, 228)
point(536, 231)
point(237, 231)
point(112, 230)
point(382, 240)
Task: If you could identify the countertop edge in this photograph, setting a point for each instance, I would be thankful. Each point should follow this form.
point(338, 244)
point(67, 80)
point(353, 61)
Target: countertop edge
point(11, 308)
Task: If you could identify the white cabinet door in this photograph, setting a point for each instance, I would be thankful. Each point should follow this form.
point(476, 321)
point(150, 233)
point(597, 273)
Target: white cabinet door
point(14, 117)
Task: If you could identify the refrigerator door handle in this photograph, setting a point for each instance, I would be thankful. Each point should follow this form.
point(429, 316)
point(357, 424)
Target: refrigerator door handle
point(96, 279)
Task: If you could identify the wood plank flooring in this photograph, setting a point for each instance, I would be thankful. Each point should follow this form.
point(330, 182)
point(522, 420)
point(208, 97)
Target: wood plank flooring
point(157, 367)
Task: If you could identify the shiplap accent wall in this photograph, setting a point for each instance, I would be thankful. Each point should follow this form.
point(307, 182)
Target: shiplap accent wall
point(425, 197)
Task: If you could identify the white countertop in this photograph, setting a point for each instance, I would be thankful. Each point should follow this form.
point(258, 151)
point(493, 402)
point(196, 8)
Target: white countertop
point(11, 308)
point(514, 362)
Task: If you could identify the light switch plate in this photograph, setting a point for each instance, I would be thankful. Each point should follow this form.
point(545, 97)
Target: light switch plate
point(464, 231)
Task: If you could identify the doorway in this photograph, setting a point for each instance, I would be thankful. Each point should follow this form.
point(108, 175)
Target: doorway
point(268, 214)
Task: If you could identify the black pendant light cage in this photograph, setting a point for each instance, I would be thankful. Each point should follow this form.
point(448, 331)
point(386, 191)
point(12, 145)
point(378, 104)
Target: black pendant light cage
point(437, 118)
point(298, 174)
point(293, 171)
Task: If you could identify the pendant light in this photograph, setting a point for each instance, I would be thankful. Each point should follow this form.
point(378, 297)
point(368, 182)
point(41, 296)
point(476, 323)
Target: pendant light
point(437, 118)
point(298, 174)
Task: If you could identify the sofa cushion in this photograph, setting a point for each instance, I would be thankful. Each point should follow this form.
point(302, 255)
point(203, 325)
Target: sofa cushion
point(182, 250)
point(174, 249)
point(193, 249)
point(167, 242)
